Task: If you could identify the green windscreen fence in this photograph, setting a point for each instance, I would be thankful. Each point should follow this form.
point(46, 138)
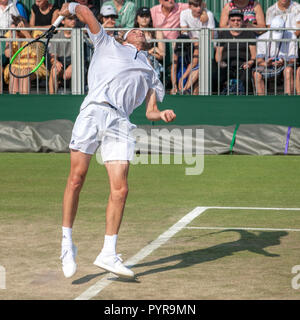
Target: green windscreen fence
point(190, 110)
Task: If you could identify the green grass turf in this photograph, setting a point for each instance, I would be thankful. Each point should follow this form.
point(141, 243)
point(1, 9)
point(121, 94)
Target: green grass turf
point(226, 181)
point(31, 194)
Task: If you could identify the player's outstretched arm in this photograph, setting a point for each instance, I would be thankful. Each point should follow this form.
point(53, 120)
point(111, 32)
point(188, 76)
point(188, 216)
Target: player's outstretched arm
point(83, 13)
point(152, 111)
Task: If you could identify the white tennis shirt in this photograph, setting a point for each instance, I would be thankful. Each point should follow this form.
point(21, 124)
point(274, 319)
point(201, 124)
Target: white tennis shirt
point(119, 74)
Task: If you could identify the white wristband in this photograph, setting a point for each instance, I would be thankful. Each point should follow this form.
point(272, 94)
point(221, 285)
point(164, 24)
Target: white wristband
point(72, 6)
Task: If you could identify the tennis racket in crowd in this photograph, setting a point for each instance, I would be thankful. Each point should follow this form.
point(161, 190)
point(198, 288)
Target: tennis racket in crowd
point(37, 45)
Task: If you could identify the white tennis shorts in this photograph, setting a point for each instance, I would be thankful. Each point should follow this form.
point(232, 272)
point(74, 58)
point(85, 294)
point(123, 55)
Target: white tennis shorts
point(104, 126)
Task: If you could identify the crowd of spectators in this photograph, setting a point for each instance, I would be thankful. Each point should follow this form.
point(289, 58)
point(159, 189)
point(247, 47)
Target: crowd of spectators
point(263, 58)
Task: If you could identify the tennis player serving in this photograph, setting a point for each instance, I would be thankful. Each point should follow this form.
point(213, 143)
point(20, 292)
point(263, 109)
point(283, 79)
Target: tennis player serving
point(120, 78)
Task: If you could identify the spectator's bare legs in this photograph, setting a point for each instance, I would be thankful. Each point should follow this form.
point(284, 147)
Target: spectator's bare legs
point(298, 81)
point(13, 84)
point(117, 174)
point(25, 83)
point(68, 73)
point(79, 167)
point(56, 74)
point(192, 81)
point(259, 83)
point(288, 80)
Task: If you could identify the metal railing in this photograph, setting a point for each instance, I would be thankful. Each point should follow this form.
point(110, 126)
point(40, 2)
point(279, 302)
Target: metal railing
point(205, 72)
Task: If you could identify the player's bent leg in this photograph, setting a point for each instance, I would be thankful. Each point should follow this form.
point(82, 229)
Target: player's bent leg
point(79, 167)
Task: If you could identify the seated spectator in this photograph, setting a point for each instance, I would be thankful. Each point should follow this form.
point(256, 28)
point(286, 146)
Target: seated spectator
point(60, 56)
point(91, 6)
point(252, 10)
point(167, 15)
point(125, 10)
point(107, 18)
point(185, 63)
point(25, 63)
point(288, 10)
point(43, 14)
point(196, 16)
point(238, 62)
point(156, 51)
point(276, 59)
point(7, 8)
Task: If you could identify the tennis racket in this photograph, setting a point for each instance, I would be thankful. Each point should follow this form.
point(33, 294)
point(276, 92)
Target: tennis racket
point(39, 47)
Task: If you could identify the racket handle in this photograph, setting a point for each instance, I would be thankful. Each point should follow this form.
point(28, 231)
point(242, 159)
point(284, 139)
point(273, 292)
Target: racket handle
point(58, 21)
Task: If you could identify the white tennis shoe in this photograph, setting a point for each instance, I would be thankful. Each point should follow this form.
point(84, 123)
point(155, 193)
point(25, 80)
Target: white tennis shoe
point(113, 263)
point(68, 255)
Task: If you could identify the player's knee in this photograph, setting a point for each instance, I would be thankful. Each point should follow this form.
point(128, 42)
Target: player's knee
point(119, 194)
point(76, 181)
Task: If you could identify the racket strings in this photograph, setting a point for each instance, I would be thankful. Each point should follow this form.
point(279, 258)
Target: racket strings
point(28, 59)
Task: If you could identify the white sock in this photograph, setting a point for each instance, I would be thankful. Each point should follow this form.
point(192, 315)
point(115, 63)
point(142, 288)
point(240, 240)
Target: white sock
point(66, 236)
point(110, 244)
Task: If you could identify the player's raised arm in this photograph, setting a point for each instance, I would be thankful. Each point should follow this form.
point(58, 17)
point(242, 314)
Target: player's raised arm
point(152, 111)
point(83, 13)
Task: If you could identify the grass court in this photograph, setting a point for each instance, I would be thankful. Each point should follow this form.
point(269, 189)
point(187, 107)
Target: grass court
point(223, 253)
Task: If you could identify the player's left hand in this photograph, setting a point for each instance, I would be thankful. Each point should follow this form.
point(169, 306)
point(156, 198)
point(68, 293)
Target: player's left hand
point(167, 115)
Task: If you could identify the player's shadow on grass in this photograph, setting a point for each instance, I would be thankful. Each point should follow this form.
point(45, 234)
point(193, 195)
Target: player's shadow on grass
point(88, 278)
point(247, 242)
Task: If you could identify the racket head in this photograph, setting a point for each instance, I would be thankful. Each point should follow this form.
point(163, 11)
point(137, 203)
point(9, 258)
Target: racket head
point(34, 52)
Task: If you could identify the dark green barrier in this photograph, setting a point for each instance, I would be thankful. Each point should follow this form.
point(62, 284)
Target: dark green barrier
point(190, 110)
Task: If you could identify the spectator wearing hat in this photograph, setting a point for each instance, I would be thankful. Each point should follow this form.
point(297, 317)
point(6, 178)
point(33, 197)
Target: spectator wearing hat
point(276, 58)
point(167, 15)
point(143, 19)
point(253, 15)
point(196, 16)
point(125, 10)
point(107, 17)
point(241, 56)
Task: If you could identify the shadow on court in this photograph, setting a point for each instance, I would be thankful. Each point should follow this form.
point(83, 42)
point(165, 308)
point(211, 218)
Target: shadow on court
point(88, 278)
point(247, 242)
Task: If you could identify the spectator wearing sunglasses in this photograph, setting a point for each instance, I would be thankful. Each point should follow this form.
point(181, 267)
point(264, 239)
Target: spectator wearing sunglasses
point(234, 60)
point(107, 18)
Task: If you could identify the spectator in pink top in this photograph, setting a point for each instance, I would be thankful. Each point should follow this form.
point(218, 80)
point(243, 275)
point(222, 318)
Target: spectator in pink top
point(167, 15)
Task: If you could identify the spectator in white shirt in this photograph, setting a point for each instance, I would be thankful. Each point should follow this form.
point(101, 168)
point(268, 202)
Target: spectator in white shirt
point(288, 10)
point(7, 8)
point(196, 16)
point(276, 57)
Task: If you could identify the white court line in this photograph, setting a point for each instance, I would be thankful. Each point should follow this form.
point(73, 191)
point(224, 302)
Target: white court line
point(241, 228)
point(143, 253)
point(163, 238)
point(255, 208)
